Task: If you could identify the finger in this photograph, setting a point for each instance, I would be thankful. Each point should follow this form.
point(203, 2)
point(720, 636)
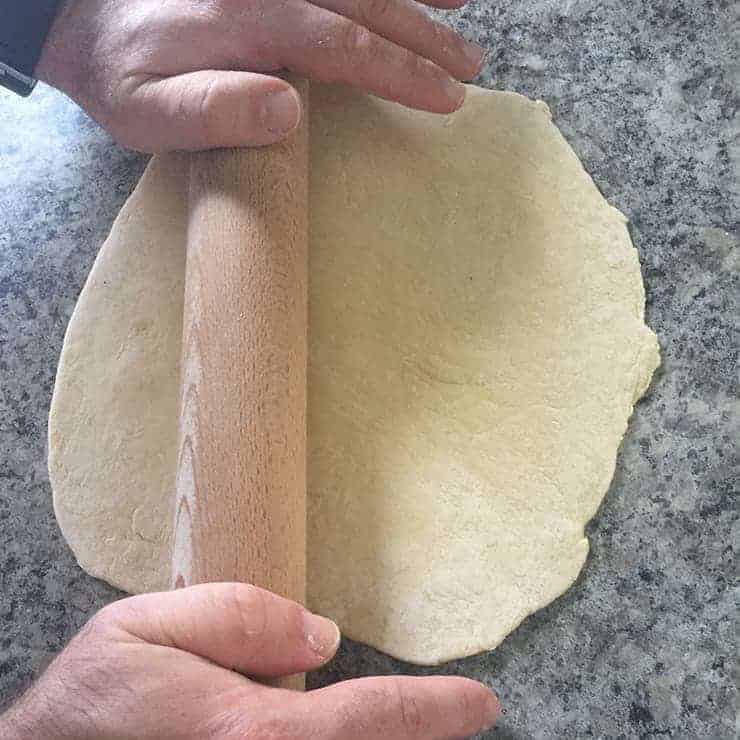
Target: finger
point(445, 4)
point(402, 708)
point(208, 110)
point(237, 626)
point(405, 23)
point(329, 47)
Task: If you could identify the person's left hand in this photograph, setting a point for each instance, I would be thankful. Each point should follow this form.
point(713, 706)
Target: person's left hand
point(175, 665)
point(190, 74)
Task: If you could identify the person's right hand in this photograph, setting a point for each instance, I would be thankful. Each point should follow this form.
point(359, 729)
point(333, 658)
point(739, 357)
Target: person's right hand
point(191, 74)
point(181, 665)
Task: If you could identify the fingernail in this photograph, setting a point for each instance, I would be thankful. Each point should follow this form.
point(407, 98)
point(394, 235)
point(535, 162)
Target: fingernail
point(282, 112)
point(455, 91)
point(322, 635)
point(493, 711)
point(475, 55)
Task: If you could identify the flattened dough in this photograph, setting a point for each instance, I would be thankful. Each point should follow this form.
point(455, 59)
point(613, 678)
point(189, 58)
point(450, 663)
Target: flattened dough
point(477, 345)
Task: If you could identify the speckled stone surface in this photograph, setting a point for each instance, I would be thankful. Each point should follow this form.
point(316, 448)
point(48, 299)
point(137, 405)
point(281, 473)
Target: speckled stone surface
point(643, 645)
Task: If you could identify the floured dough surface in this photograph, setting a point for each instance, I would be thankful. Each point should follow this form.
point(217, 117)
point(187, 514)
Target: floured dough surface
point(477, 344)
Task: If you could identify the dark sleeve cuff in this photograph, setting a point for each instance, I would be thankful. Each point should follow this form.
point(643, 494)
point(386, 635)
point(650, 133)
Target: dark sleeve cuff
point(24, 25)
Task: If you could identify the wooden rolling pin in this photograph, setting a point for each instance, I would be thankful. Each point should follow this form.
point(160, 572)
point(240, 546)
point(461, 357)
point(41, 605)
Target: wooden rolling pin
point(241, 478)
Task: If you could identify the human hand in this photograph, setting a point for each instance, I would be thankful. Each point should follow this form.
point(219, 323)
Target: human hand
point(192, 74)
point(174, 665)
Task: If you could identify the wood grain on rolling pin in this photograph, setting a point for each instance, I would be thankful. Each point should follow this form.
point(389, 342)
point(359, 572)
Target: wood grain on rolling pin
point(241, 505)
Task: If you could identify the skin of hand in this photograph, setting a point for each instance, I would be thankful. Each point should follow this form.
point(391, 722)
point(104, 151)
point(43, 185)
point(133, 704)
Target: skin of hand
point(184, 664)
point(195, 74)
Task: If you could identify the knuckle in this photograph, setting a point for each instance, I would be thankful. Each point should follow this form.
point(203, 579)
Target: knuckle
point(384, 8)
point(372, 11)
point(417, 67)
point(357, 41)
point(208, 102)
point(415, 73)
point(215, 111)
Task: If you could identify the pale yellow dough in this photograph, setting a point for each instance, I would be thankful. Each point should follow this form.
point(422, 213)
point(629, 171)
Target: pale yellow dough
point(477, 344)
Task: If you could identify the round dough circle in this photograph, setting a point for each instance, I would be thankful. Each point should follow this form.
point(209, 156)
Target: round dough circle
point(477, 346)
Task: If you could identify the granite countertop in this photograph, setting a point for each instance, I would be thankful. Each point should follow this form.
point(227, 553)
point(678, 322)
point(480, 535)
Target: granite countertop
point(643, 644)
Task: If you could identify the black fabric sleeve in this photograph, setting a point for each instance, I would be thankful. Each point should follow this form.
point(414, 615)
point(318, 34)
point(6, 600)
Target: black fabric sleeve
point(24, 25)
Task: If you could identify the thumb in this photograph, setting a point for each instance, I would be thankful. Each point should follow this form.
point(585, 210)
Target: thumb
point(208, 110)
point(235, 625)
